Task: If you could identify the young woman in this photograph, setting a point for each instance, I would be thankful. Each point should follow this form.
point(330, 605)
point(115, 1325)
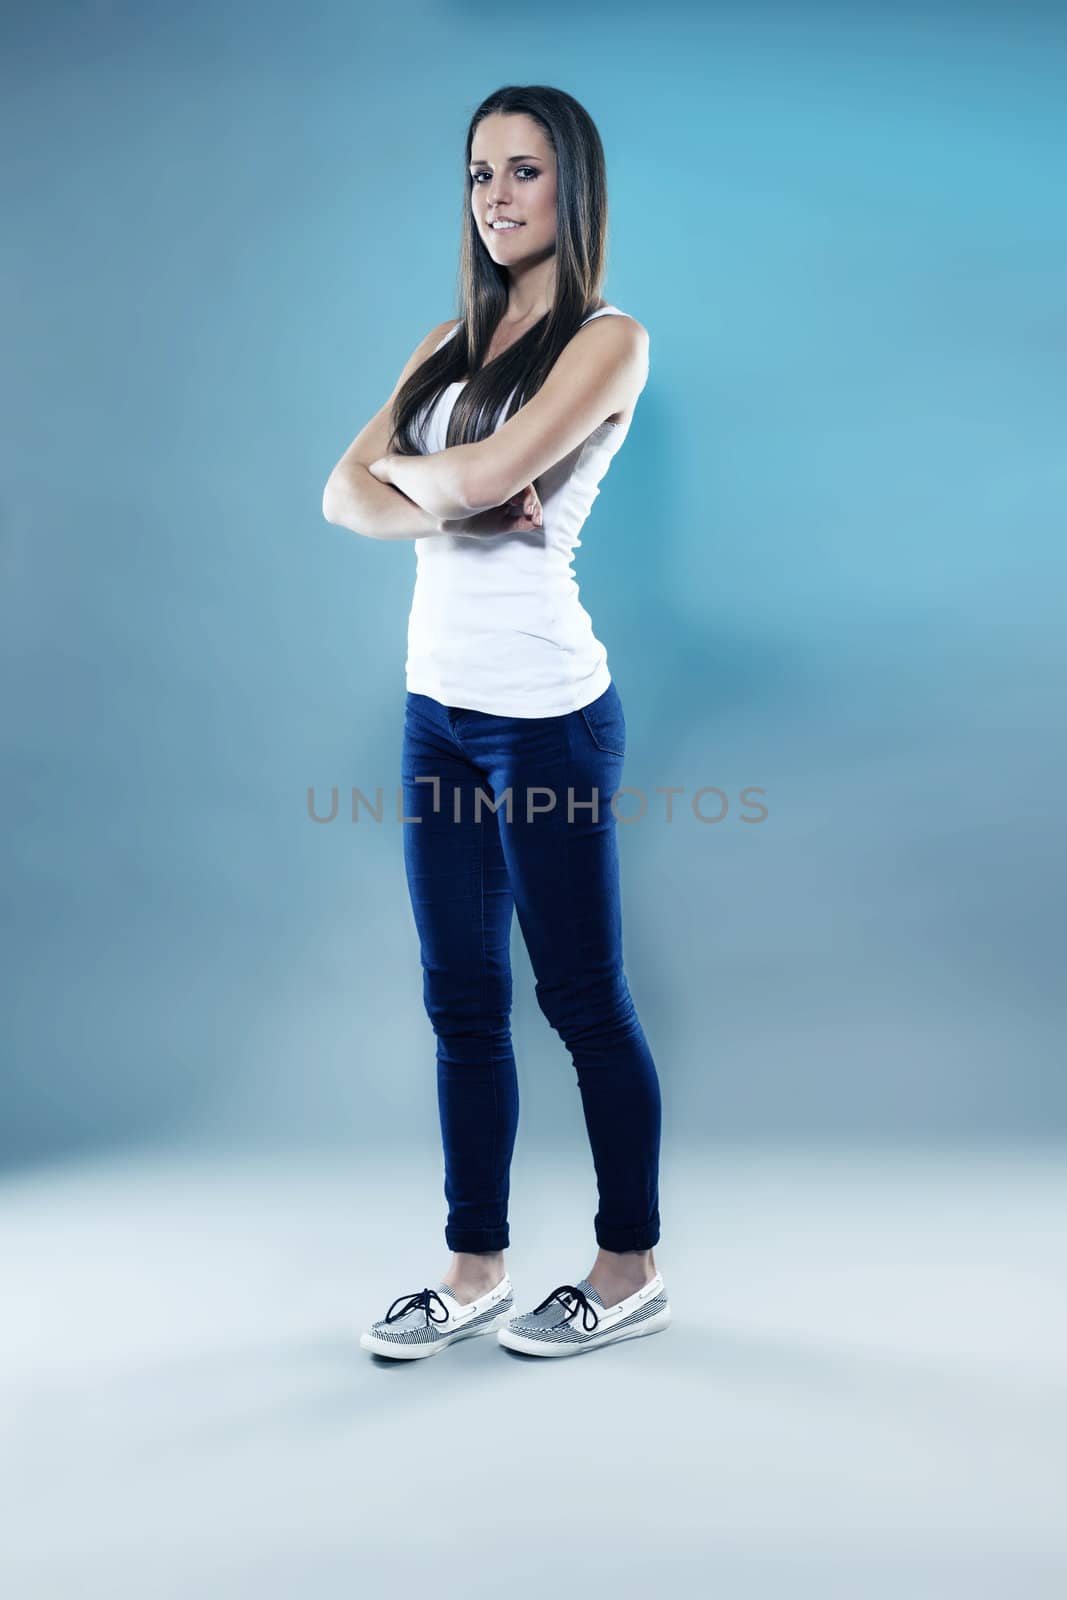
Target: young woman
point(488, 454)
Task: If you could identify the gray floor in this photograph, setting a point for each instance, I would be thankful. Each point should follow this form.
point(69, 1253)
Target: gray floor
point(862, 1394)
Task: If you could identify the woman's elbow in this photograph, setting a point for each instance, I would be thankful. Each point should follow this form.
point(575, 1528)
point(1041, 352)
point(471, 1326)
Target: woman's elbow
point(338, 507)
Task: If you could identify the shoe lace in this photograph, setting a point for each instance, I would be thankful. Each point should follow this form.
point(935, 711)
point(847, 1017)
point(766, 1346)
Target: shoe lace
point(565, 1294)
point(418, 1302)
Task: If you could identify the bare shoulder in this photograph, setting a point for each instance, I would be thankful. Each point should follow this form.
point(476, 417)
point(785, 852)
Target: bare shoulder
point(428, 344)
point(448, 326)
point(619, 345)
point(619, 331)
point(437, 335)
point(615, 341)
point(641, 330)
point(422, 351)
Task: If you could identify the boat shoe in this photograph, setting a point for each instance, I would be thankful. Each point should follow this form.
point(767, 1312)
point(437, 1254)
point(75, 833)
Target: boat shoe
point(573, 1318)
point(422, 1324)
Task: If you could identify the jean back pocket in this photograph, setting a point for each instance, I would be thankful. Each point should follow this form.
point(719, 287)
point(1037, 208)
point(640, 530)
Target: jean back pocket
point(606, 723)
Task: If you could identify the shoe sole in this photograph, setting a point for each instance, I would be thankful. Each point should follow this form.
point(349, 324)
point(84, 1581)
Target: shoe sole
point(411, 1352)
point(537, 1347)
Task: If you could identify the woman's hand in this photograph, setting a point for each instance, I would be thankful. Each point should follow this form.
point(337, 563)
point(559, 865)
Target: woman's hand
point(380, 469)
point(523, 513)
point(527, 509)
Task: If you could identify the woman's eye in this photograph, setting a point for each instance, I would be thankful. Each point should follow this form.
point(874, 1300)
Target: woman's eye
point(531, 170)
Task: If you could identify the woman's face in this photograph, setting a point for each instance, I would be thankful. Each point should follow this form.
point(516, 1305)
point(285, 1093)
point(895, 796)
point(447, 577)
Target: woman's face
point(513, 174)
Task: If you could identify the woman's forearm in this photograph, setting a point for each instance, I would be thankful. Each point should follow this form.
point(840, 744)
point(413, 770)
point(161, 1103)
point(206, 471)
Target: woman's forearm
point(439, 483)
point(357, 500)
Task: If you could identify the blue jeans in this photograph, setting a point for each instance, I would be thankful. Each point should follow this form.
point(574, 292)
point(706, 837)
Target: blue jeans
point(468, 867)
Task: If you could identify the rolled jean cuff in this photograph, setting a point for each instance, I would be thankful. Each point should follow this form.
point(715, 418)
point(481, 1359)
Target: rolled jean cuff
point(641, 1237)
point(473, 1239)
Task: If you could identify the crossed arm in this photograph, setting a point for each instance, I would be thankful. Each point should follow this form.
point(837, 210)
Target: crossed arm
point(602, 369)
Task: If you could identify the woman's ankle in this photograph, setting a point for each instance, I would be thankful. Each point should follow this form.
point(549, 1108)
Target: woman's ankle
point(485, 1267)
point(630, 1266)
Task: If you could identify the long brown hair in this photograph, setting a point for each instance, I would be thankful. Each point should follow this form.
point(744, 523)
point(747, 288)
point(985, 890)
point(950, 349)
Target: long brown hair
point(581, 228)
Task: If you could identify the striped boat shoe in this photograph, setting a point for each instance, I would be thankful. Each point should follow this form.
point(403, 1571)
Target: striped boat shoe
point(573, 1318)
point(424, 1323)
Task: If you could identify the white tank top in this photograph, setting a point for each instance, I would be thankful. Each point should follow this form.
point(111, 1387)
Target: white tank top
point(496, 623)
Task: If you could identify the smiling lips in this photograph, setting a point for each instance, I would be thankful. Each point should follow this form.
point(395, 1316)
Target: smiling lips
point(502, 224)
